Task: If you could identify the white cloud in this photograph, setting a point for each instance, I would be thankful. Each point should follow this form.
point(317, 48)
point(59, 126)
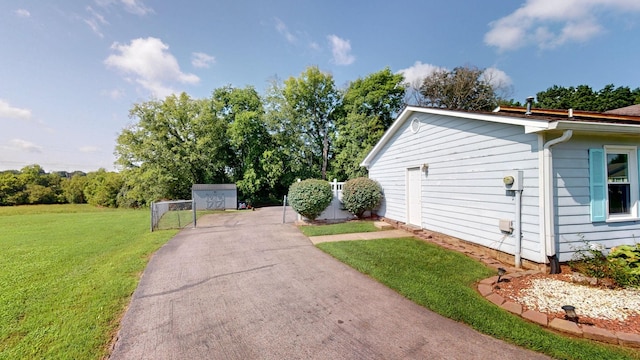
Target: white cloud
point(9, 112)
point(202, 60)
point(23, 13)
point(133, 6)
point(95, 21)
point(136, 7)
point(341, 50)
point(496, 77)
point(151, 64)
point(88, 149)
point(284, 31)
point(551, 23)
point(27, 146)
point(114, 94)
point(415, 74)
point(314, 46)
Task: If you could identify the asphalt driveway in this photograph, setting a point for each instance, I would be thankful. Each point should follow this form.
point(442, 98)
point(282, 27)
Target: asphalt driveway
point(243, 285)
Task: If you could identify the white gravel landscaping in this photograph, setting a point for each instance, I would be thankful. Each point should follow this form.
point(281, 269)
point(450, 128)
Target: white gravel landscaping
point(549, 295)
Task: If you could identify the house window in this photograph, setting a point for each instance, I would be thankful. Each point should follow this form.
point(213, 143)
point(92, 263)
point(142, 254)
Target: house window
point(614, 183)
point(618, 183)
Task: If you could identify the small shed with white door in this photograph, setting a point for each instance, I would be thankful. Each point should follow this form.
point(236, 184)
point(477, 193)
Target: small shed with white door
point(215, 196)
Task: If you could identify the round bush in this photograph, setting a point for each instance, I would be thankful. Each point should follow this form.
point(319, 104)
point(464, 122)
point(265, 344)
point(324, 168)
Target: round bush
point(310, 197)
point(360, 195)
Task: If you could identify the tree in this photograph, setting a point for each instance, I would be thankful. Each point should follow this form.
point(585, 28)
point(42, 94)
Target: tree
point(175, 143)
point(463, 88)
point(248, 140)
point(103, 187)
point(610, 98)
point(583, 97)
point(39, 194)
point(73, 189)
point(30, 185)
point(369, 107)
point(289, 158)
point(11, 189)
point(311, 101)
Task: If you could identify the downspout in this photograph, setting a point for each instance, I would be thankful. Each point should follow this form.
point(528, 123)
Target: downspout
point(549, 215)
point(518, 229)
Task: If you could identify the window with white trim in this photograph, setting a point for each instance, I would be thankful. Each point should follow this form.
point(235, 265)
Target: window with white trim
point(614, 183)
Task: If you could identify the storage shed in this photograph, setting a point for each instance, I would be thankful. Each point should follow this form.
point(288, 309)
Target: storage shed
point(215, 196)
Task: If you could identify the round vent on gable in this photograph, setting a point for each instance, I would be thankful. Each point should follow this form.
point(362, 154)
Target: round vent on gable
point(415, 125)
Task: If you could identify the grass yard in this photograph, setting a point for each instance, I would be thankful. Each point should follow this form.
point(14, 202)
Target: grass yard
point(67, 273)
point(339, 228)
point(444, 281)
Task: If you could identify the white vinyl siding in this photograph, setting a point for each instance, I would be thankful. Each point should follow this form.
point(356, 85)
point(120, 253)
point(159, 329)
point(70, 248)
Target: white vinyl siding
point(574, 226)
point(462, 191)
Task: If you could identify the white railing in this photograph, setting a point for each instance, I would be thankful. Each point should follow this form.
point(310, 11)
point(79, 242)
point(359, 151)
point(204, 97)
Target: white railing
point(335, 210)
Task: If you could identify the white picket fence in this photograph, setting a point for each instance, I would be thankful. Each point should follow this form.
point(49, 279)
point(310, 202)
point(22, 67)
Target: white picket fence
point(335, 210)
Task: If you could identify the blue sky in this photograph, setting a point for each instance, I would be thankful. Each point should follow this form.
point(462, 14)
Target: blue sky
point(71, 70)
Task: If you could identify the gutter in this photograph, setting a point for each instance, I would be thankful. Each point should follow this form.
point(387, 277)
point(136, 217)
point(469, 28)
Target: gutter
point(549, 215)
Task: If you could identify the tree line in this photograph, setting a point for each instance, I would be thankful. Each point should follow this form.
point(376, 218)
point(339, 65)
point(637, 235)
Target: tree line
point(303, 127)
point(32, 185)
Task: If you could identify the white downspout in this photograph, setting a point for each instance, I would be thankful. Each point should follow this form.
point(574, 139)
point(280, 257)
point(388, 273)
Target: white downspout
point(549, 237)
point(518, 229)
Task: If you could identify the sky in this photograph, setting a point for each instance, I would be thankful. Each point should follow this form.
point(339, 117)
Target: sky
point(71, 70)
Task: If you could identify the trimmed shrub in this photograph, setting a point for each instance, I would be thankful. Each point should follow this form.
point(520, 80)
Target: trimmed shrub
point(310, 197)
point(360, 195)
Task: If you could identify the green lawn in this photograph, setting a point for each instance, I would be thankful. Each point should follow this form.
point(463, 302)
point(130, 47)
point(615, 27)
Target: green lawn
point(444, 281)
point(66, 275)
point(340, 228)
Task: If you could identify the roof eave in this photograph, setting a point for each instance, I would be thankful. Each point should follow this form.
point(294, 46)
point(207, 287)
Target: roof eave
point(614, 128)
point(530, 125)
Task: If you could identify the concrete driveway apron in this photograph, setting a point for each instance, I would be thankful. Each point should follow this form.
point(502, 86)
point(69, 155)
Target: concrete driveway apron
point(243, 285)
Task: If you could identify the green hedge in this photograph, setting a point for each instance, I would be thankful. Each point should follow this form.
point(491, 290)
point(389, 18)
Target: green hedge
point(360, 195)
point(310, 197)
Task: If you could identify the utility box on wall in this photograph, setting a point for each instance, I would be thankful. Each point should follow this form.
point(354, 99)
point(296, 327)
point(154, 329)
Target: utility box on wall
point(215, 196)
point(513, 180)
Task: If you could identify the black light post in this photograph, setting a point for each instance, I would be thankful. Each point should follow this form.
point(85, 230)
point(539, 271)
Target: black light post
point(501, 271)
point(570, 313)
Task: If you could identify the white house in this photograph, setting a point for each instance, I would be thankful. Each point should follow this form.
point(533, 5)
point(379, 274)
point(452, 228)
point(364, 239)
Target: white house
point(535, 184)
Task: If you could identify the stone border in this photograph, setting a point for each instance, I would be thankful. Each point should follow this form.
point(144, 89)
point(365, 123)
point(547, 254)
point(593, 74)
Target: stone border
point(486, 286)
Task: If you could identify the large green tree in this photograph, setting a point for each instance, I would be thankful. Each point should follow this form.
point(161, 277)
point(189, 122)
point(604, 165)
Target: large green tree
point(249, 140)
point(103, 187)
point(369, 107)
point(463, 88)
point(73, 188)
point(12, 189)
point(310, 103)
point(288, 157)
point(174, 144)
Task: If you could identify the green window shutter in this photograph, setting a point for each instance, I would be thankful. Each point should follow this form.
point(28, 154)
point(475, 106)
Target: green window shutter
point(597, 185)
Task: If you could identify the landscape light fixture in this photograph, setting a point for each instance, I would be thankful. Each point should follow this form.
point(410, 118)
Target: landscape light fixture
point(570, 313)
point(501, 271)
